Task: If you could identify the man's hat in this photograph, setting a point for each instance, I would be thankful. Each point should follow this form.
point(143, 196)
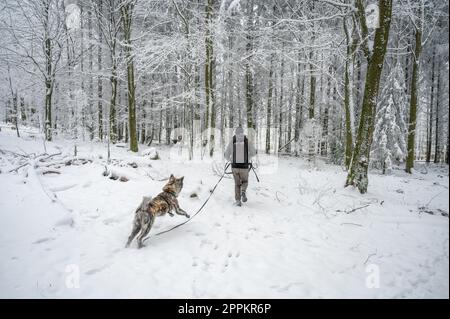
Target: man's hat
point(239, 130)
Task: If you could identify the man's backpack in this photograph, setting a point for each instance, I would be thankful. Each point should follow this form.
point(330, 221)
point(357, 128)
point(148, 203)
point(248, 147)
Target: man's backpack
point(240, 153)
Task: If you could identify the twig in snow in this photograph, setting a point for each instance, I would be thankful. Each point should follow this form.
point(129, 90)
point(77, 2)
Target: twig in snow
point(276, 195)
point(352, 210)
point(354, 224)
point(369, 256)
point(429, 202)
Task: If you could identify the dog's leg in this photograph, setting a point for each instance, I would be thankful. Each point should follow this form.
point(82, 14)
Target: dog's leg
point(136, 229)
point(181, 212)
point(145, 229)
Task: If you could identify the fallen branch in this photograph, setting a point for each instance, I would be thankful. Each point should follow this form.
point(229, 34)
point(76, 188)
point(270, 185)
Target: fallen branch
point(18, 167)
point(49, 156)
point(13, 153)
point(50, 172)
point(77, 161)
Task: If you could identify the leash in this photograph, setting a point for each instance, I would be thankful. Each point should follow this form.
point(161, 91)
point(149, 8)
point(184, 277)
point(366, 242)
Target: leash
point(198, 211)
point(254, 171)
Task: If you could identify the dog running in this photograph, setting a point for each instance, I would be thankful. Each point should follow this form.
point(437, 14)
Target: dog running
point(165, 203)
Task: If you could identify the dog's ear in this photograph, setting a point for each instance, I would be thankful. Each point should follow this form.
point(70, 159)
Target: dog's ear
point(182, 179)
point(171, 178)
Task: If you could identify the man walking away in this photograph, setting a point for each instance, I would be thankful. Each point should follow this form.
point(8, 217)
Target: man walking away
point(239, 152)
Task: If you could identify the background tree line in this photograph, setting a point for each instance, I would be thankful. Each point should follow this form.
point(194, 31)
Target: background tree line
point(360, 83)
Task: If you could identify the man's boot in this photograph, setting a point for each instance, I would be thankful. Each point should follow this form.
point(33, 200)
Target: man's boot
point(244, 197)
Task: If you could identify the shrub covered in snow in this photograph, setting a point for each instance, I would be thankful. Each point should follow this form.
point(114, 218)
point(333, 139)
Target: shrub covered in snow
point(151, 152)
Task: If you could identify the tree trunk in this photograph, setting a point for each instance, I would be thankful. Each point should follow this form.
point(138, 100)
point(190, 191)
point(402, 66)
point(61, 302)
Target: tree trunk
point(280, 113)
point(83, 106)
point(413, 103)
point(249, 81)
point(112, 104)
point(347, 100)
point(358, 173)
point(91, 126)
point(289, 120)
point(99, 79)
point(430, 111)
point(298, 107)
point(437, 146)
point(48, 75)
point(269, 105)
point(312, 83)
point(127, 16)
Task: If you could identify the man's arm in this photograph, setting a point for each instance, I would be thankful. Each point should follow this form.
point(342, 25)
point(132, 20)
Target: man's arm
point(229, 151)
point(251, 150)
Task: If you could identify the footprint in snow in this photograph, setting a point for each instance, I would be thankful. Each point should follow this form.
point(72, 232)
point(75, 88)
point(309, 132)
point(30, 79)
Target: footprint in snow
point(206, 265)
point(225, 266)
point(43, 240)
point(236, 255)
point(65, 222)
point(94, 270)
point(87, 184)
point(109, 221)
point(289, 286)
point(205, 242)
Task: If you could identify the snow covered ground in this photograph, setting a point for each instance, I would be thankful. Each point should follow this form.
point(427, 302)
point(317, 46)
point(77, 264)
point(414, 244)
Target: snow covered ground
point(301, 235)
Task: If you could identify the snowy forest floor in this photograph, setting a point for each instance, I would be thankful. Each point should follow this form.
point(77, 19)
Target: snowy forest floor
point(301, 235)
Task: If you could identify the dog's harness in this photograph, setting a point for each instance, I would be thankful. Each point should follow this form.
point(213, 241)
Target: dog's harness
point(164, 199)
